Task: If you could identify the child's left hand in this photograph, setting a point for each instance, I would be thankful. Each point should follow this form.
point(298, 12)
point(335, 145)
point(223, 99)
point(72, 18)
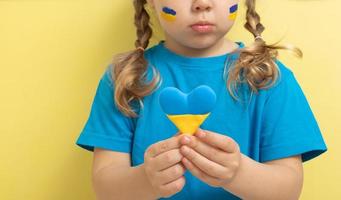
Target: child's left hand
point(212, 157)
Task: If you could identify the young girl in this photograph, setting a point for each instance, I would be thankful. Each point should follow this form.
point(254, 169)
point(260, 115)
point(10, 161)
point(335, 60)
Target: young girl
point(250, 149)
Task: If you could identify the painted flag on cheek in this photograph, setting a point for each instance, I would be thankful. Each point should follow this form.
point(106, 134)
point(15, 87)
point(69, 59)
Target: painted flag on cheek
point(233, 12)
point(168, 14)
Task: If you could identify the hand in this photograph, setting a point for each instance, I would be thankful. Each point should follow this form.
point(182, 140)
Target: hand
point(212, 157)
point(163, 167)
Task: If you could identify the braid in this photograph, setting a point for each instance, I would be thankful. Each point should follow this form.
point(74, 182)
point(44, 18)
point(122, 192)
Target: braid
point(143, 30)
point(130, 68)
point(253, 20)
point(256, 64)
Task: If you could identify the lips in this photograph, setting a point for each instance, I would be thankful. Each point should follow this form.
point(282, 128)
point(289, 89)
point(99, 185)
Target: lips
point(202, 23)
point(202, 27)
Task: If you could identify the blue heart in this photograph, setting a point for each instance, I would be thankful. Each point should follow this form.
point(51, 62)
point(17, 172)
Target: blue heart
point(200, 100)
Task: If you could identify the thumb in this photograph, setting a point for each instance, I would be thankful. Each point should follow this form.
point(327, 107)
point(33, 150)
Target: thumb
point(178, 133)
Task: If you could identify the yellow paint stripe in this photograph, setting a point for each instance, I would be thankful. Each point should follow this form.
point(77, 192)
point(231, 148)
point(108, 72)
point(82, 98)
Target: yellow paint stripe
point(188, 123)
point(168, 17)
point(233, 16)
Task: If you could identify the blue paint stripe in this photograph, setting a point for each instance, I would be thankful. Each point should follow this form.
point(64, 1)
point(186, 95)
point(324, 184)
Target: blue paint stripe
point(168, 10)
point(233, 8)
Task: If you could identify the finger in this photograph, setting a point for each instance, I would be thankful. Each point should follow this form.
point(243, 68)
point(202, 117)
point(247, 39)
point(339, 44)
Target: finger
point(206, 165)
point(177, 134)
point(223, 142)
point(200, 174)
point(173, 187)
point(210, 152)
point(170, 174)
point(163, 146)
point(166, 159)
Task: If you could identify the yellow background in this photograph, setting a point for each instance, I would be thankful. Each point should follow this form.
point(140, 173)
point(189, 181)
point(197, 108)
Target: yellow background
point(54, 52)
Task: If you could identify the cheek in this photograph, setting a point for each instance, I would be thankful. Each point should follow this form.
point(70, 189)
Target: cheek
point(168, 14)
point(233, 12)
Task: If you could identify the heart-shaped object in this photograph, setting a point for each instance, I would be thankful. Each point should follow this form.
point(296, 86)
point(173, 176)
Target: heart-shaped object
point(187, 111)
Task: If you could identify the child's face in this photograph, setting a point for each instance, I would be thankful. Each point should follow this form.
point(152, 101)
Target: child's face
point(177, 17)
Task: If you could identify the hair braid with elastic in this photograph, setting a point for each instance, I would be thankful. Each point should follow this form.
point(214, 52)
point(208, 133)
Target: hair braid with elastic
point(256, 65)
point(130, 68)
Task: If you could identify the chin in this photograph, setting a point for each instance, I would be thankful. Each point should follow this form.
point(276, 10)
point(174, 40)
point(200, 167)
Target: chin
point(201, 43)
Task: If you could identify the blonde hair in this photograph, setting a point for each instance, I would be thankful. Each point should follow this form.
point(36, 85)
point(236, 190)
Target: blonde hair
point(255, 65)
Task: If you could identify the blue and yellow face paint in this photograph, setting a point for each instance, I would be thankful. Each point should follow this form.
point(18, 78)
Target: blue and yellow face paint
point(168, 14)
point(187, 111)
point(233, 12)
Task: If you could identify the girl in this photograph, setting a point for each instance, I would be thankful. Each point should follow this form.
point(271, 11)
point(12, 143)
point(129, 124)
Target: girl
point(248, 151)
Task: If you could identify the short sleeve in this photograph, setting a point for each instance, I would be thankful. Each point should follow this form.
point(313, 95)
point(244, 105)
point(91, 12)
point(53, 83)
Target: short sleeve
point(288, 125)
point(106, 126)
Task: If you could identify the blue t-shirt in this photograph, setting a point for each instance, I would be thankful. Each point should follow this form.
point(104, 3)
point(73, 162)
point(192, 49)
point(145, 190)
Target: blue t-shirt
point(273, 124)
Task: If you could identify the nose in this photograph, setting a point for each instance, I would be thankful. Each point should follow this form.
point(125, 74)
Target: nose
point(202, 5)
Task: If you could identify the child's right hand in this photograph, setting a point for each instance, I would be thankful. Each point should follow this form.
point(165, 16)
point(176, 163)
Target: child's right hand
point(163, 166)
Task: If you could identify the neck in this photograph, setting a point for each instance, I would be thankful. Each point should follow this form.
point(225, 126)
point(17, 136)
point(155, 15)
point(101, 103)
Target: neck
point(222, 46)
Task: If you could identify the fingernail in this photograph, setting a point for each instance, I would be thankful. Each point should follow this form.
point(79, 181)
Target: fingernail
point(186, 139)
point(201, 133)
point(184, 160)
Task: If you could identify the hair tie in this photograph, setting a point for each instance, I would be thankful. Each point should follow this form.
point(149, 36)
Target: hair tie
point(258, 37)
point(140, 48)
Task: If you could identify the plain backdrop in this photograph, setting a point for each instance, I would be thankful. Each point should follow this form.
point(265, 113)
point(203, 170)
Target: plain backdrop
point(53, 53)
